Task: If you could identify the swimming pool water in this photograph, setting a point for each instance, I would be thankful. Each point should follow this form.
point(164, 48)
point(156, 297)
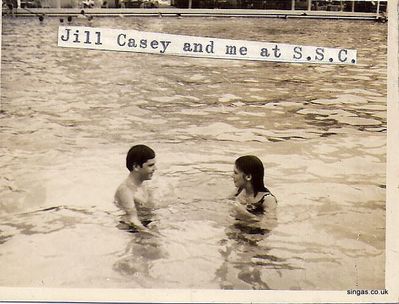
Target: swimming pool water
point(69, 116)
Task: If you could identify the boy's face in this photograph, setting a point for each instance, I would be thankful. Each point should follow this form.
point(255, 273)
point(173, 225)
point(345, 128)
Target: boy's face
point(147, 170)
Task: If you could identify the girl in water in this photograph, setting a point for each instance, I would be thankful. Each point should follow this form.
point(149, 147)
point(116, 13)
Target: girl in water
point(252, 197)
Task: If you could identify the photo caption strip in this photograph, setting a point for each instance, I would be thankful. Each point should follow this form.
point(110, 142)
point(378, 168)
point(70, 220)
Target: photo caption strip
point(192, 46)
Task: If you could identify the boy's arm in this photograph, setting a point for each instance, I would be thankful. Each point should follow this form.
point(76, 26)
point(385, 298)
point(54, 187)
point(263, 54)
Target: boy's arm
point(125, 201)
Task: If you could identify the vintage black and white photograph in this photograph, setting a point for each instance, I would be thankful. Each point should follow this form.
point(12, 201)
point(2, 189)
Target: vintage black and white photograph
point(130, 170)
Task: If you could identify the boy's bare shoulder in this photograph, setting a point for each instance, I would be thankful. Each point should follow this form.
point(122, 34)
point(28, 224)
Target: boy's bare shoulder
point(121, 188)
point(123, 191)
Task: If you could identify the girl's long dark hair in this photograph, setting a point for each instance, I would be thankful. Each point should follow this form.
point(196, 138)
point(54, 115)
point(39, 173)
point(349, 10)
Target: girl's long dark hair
point(251, 165)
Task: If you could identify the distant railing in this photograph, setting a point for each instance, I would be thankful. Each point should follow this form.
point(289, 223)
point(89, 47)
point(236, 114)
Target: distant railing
point(320, 9)
point(315, 5)
point(378, 6)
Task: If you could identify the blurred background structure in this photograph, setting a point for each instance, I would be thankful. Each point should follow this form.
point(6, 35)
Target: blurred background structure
point(311, 5)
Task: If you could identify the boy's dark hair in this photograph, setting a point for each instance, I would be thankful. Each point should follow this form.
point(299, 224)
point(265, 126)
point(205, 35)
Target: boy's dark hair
point(251, 165)
point(138, 155)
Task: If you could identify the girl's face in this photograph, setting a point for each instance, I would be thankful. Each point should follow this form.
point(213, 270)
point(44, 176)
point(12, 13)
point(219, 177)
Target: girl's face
point(239, 178)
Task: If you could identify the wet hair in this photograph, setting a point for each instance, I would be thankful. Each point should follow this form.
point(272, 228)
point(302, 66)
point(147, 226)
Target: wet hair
point(251, 165)
point(138, 155)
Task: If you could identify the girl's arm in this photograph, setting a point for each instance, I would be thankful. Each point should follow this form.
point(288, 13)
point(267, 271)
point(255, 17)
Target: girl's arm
point(240, 212)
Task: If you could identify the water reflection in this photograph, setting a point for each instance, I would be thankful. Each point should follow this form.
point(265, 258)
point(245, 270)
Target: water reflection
point(136, 261)
point(246, 253)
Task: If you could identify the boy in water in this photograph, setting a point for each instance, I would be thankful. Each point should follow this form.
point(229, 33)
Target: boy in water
point(132, 196)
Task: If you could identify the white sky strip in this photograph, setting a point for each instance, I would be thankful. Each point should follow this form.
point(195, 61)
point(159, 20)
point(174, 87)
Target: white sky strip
point(192, 46)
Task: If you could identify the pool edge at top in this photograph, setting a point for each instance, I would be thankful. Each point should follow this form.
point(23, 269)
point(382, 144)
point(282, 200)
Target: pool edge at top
point(174, 12)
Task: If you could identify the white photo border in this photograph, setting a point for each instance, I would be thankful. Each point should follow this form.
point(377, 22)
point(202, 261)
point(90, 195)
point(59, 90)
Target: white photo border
point(50, 295)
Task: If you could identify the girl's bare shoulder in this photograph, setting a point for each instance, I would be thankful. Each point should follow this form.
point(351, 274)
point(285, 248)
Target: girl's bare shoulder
point(269, 200)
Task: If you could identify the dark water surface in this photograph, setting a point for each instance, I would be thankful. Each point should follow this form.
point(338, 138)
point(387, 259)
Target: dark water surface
point(69, 116)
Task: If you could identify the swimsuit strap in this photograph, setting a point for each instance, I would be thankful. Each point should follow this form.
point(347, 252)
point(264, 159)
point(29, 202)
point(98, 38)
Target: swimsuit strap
point(258, 207)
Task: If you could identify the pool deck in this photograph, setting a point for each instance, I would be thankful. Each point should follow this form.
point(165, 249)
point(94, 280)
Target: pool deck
point(174, 12)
